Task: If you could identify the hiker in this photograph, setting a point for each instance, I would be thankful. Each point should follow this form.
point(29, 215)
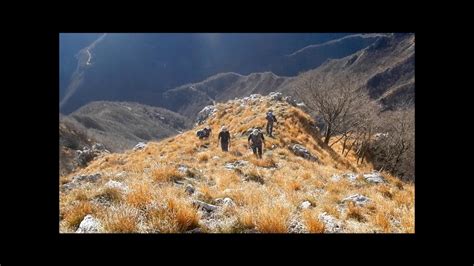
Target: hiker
point(255, 141)
point(224, 137)
point(204, 133)
point(270, 119)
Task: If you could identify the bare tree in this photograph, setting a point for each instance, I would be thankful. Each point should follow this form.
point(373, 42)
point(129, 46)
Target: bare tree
point(339, 103)
point(394, 151)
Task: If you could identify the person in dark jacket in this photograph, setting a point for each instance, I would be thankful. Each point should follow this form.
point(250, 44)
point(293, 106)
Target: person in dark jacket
point(204, 133)
point(270, 120)
point(224, 138)
point(256, 142)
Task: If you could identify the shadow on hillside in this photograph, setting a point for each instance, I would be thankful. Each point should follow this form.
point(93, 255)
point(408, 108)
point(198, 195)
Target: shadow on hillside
point(309, 127)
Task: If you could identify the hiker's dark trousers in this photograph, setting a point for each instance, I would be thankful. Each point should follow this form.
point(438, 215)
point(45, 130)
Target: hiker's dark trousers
point(224, 145)
point(269, 128)
point(257, 149)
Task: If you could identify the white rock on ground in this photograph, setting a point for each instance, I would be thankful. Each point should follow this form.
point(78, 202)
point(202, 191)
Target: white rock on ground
point(203, 205)
point(357, 199)
point(86, 178)
point(275, 96)
point(236, 164)
point(205, 113)
point(374, 177)
point(118, 185)
point(305, 204)
point(89, 225)
point(302, 152)
point(332, 225)
point(139, 146)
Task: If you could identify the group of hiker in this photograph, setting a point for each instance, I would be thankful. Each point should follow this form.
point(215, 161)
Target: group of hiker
point(255, 139)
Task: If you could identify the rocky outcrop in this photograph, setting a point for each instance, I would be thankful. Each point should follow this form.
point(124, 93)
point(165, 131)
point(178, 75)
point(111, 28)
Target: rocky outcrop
point(275, 96)
point(139, 146)
point(374, 177)
point(117, 185)
point(89, 225)
point(87, 154)
point(204, 206)
point(357, 199)
point(302, 152)
point(331, 224)
point(79, 179)
point(236, 164)
point(205, 113)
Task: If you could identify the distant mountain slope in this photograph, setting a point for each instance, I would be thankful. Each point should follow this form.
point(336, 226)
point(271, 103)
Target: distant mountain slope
point(189, 99)
point(385, 68)
point(140, 67)
point(121, 125)
point(313, 56)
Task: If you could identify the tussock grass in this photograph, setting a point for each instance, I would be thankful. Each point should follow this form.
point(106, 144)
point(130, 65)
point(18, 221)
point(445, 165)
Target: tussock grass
point(266, 192)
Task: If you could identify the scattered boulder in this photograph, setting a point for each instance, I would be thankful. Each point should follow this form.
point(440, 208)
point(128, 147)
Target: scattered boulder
point(99, 147)
point(351, 176)
point(204, 206)
point(78, 179)
point(86, 178)
point(68, 186)
point(275, 96)
point(205, 113)
point(182, 168)
point(227, 202)
point(189, 189)
point(118, 185)
point(255, 96)
point(86, 155)
point(305, 205)
point(357, 199)
point(290, 100)
point(296, 226)
point(374, 177)
point(89, 225)
point(379, 136)
point(331, 224)
point(139, 146)
point(236, 164)
point(302, 152)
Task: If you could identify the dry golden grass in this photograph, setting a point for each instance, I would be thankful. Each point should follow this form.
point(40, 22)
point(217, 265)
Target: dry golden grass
point(185, 215)
point(272, 219)
point(246, 219)
point(306, 175)
point(312, 223)
point(355, 212)
point(110, 194)
point(382, 221)
point(203, 157)
point(174, 214)
point(264, 162)
point(74, 216)
point(155, 204)
point(330, 209)
point(166, 174)
point(254, 175)
point(140, 196)
point(124, 220)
